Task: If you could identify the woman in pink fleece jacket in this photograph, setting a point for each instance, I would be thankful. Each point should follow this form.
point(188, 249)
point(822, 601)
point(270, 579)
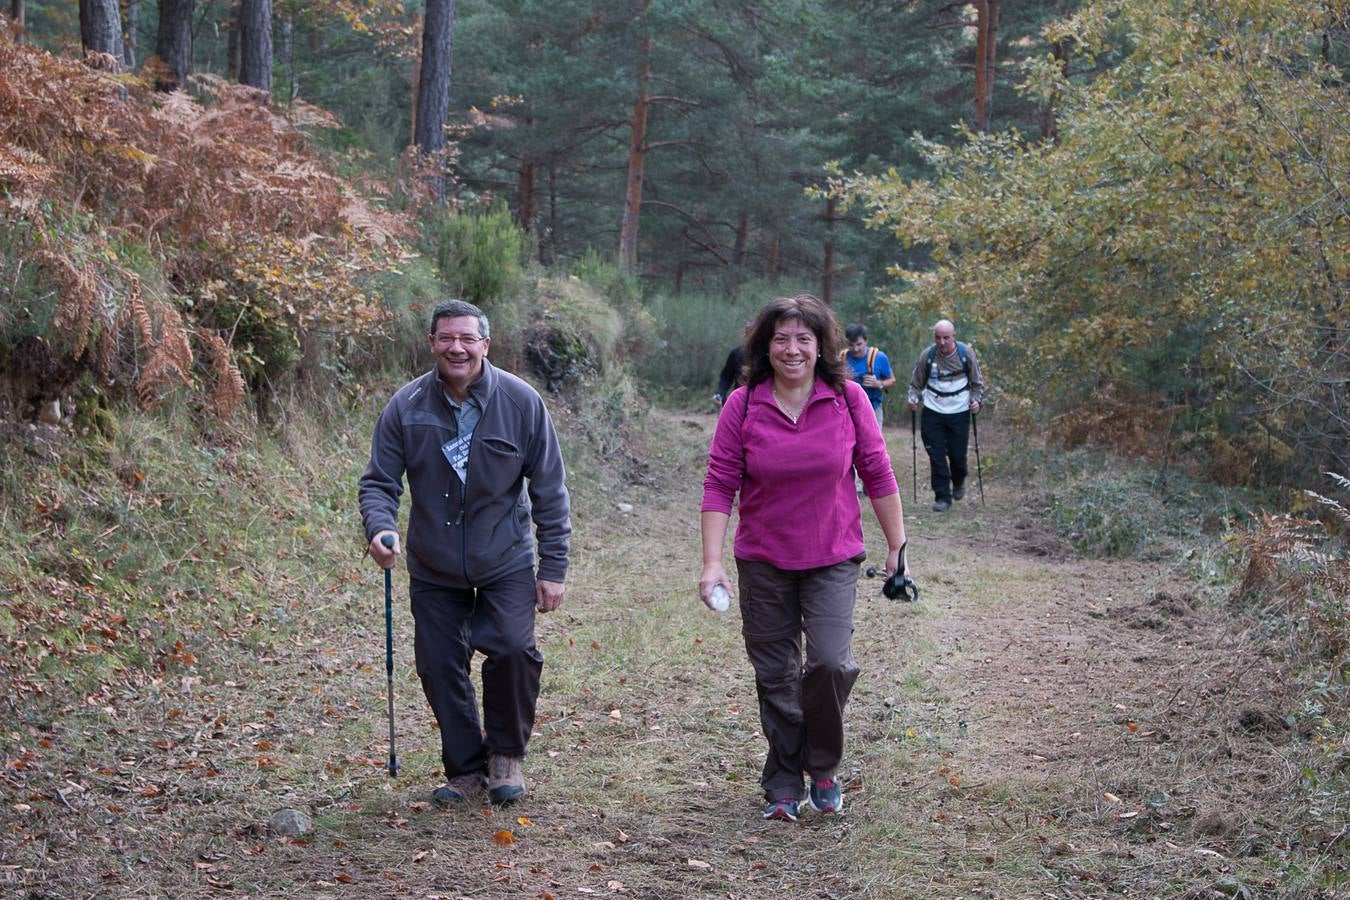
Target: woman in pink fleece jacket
point(788, 443)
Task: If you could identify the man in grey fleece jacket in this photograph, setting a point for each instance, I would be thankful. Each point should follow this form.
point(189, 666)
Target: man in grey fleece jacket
point(482, 461)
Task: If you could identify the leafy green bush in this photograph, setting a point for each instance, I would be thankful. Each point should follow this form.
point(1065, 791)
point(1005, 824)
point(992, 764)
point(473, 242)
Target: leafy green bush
point(621, 290)
point(27, 301)
point(1100, 519)
point(478, 253)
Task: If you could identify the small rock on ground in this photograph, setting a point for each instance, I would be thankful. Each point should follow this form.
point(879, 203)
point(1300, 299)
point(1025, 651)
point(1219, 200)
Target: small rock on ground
point(291, 822)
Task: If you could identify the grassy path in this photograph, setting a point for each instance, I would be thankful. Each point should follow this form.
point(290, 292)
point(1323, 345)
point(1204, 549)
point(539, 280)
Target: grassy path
point(1039, 725)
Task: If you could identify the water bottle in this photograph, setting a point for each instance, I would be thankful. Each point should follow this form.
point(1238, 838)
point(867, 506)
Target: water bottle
point(721, 600)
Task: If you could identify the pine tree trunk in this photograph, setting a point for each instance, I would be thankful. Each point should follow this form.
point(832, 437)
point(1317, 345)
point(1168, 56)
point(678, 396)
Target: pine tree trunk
point(637, 161)
point(742, 239)
point(233, 43)
point(827, 273)
point(255, 44)
point(19, 15)
point(525, 193)
point(129, 39)
point(288, 56)
point(433, 86)
point(101, 27)
point(991, 60)
point(416, 76)
point(986, 45)
point(173, 43)
point(552, 232)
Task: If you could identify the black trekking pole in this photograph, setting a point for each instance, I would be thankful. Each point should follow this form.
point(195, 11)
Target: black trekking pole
point(979, 474)
point(898, 586)
point(388, 541)
point(914, 450)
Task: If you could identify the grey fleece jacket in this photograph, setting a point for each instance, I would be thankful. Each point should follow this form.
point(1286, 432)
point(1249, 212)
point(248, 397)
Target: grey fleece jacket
point(468, 536)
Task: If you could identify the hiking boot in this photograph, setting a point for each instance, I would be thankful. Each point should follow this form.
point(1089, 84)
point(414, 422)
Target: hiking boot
point(784, 810)
point(942, 506)
point(506, 781)
point(958, 491)
point(459, 788)
point(826, 796)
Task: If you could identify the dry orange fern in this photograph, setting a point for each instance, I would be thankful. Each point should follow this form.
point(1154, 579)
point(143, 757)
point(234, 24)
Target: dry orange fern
point(227, 190)
point(169, 361)
point(229, 391)
point(78, 296)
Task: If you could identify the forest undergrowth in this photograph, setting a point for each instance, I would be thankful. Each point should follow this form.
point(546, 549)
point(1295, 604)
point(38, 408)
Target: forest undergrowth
point(194, 641)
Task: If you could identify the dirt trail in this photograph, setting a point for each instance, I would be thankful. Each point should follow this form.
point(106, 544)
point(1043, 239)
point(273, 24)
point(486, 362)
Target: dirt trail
point(1039, 725)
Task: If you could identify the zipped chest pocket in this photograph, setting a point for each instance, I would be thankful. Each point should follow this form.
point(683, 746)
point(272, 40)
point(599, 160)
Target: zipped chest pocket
point(495, 464)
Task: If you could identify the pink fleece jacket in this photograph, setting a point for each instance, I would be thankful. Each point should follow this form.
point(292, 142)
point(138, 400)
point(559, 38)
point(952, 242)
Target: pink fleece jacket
point(798, 506)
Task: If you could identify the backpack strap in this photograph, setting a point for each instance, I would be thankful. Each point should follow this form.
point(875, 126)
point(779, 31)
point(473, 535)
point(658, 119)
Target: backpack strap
point(853, 415)
point(871, 360)
point(960, 351)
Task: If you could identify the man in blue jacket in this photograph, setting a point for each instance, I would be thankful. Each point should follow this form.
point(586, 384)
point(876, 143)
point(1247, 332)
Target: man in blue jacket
point(482, 462)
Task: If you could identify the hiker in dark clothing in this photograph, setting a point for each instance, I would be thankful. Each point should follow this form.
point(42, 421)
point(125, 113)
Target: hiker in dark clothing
point(731, 375)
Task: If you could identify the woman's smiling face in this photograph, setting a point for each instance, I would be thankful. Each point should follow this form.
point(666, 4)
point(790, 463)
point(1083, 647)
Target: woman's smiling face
point(793, 351)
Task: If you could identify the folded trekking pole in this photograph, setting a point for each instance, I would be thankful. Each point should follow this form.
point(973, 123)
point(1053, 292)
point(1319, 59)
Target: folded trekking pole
point(388, 541)
point(898, 586)
point(914, 450)
point(979, 474)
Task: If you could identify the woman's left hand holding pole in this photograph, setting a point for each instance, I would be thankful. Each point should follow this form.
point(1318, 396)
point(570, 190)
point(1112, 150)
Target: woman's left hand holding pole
point(891, 516)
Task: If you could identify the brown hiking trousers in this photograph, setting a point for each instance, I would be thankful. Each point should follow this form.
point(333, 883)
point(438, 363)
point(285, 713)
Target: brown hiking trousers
point(801, 707)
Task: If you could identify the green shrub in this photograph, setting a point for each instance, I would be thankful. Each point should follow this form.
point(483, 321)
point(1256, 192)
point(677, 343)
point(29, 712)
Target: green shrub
point(1100, 519)
point(478, 253)
point(408, 295)
point(621, 290)
point(694, 331)
point(27, 300)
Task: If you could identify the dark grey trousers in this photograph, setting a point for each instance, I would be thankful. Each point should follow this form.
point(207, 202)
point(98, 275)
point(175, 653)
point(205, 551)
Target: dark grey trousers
point(496, 620)
point(801, 707)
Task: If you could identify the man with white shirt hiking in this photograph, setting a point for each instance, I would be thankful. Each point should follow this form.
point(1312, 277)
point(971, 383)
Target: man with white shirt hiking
point(948, 382)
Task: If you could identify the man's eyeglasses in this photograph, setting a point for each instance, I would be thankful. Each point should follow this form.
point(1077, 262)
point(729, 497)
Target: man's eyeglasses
point(468, 341)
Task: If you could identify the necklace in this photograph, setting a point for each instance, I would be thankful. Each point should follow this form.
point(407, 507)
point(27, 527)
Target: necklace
point(793, 413)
